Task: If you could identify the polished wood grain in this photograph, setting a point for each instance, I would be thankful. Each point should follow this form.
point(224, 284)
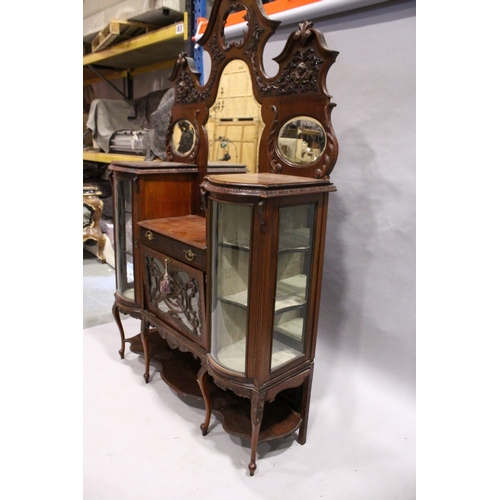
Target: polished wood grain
point(174, 223)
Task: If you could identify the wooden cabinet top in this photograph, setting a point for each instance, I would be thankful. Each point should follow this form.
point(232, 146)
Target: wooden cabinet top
point(189, 229)
point(265, 183)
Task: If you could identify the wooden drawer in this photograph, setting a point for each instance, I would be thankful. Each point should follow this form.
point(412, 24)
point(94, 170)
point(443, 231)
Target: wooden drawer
point(180, 237)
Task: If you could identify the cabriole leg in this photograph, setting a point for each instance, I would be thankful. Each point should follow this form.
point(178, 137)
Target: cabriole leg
point(256, 411)
point(202, 382)
point(145, 346)
point(116, 315)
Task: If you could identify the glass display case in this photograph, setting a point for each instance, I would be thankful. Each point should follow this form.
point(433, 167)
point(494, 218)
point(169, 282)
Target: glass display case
point(265, 240)
point(231, 230)
point(142, 191)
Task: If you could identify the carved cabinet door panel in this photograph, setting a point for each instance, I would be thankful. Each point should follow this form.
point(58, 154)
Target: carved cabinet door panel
point(175, 293)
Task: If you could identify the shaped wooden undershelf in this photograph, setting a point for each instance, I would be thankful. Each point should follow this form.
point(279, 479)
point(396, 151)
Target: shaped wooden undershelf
point(179, 370)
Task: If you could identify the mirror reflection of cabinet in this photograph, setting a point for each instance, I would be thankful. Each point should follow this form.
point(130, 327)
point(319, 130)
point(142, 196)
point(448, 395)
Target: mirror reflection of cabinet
point(265, 240)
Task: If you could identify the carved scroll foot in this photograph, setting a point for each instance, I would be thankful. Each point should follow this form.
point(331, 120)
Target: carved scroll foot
point(257, 410)
point(252, 467)
point(202, 382)
point(116, 315)
point(145, 346)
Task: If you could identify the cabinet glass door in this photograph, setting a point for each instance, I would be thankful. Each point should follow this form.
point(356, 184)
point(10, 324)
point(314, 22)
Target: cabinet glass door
point(124, 238)
point(296, 225)
point(231, 230)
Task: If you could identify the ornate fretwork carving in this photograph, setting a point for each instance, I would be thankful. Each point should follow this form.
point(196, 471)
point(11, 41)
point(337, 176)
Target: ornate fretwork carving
point(275, 164)
point(257, 408)
point(264, 193)
point(186, 82)
point(228, 385)
point(304, 32)
point(253, 44)
point(299, 75)
point(170, 156)
point(252, 49)
point(232, 9)
point(329, 157)
point(182, 299)
point(175, 344)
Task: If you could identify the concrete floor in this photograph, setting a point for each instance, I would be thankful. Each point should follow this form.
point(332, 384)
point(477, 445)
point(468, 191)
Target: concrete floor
point(98, 291)
point(143, 441)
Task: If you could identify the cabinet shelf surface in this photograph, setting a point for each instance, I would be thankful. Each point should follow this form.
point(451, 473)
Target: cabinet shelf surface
point(232, 356)
point(290, 293)
point(295, 240)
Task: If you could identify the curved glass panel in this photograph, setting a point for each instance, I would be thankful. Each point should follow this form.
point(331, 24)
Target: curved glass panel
point(183, 137)
point(231, 227)
point(124, 248)
point(295, 249)
point(302, 140)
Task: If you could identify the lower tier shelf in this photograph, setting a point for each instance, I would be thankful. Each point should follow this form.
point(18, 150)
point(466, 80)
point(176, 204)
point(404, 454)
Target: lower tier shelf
point(179, 370)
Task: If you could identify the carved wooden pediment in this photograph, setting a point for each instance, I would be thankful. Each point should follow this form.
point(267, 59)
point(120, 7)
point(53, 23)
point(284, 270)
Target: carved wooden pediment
point(294, 100)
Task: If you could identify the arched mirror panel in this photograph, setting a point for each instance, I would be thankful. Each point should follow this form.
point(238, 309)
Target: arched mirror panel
point(235, 125)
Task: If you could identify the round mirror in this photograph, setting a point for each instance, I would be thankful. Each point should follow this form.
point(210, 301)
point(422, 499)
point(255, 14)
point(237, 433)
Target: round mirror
point(182, 139)
point(302, 140)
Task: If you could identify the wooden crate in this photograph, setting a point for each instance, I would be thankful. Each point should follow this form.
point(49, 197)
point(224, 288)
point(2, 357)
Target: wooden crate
point(118, 31)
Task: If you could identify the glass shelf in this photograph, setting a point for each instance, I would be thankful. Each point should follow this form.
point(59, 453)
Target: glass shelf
point(295, 240)
point(233, 355)
point(293, 328)
point(290, 292)
point(238, 299)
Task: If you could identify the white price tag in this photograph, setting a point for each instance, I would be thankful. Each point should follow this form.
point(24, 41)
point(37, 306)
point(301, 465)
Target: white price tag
point(179, 28)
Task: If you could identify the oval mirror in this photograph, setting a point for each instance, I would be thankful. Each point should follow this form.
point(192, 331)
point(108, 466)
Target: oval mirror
point(183, 137)
point(301, 140)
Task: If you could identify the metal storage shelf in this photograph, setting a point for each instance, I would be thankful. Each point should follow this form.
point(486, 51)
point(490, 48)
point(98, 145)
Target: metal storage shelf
point(146, 50)
point(155, 50)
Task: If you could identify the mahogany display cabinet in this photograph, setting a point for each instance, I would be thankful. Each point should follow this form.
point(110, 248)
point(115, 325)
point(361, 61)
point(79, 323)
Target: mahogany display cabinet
point(224, 270)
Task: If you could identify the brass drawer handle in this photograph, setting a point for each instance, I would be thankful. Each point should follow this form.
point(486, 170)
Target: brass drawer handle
point(190, 255)
point(149, 235)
